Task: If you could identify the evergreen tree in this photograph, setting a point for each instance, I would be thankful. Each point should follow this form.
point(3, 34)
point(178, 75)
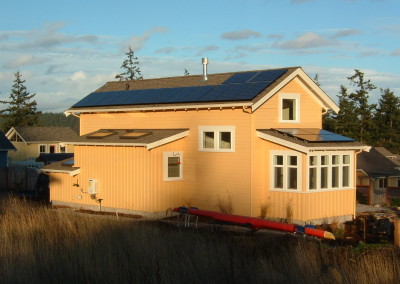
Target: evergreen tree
point(186, 73)
point(345, 122)
point(21, 110)
point(130, 67)
point(387, 121)
point(359, 97)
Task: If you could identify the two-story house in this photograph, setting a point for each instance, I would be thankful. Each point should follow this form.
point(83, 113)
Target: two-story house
point(255, 137)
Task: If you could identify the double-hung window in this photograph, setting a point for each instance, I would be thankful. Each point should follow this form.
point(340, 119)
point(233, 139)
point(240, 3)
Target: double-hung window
point(173, 166)
point(329, 171)
point(217, 138)
point(286, 170)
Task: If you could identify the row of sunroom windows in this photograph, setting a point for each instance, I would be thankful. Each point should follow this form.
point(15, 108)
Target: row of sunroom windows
point(325, 171)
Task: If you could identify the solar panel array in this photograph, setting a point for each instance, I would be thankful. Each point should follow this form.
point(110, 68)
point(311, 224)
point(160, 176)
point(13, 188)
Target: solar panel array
point(314, 135)
point(243, 86)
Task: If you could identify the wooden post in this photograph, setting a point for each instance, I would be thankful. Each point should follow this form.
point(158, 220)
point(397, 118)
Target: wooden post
point(370, 192)
point(397, 232)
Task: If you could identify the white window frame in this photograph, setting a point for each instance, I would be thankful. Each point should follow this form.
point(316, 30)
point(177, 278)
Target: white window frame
point(45, 148)
point(286, 166)
point(165, 165)
point(217, 130)
point(62, 146)
point(296, 98)
point(330, 167)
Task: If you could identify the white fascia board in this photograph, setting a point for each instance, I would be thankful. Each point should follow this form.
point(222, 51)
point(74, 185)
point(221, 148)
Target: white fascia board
point(71, 173)
point(304, 149)
point(147, 145)
point(157, 108)
point(282, 142)
point(167, 140)
point(11, 132)
point(324, 98)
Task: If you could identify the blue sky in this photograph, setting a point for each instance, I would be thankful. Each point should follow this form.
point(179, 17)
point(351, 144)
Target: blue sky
point(67, 49)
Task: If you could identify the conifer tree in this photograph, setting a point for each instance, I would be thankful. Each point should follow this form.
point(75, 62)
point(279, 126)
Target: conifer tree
point(21, 110)
point(359, 97)
point(387, 121)
point(346, 120)
point(130, 67)
point(186, 73)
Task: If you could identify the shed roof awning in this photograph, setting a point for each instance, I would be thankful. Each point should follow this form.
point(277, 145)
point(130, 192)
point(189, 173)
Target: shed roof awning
point(304, 146)
point(149, 138)
point(65, 166)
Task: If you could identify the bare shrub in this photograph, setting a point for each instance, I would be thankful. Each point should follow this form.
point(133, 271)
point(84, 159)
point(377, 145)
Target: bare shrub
point(265, 208)
point(225, 204)
point(289, 211)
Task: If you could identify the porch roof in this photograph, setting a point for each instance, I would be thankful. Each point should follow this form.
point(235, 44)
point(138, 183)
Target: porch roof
point(304, 146)
point(65, 166)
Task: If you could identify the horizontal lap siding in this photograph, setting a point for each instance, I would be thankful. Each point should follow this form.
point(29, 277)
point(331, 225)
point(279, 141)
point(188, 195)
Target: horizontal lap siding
point(207, 175)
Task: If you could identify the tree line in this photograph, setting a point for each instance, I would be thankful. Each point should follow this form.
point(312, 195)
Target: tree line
point(372, 124)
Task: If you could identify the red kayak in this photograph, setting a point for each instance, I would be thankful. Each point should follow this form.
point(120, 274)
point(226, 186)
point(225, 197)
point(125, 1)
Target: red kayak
point(255, 223)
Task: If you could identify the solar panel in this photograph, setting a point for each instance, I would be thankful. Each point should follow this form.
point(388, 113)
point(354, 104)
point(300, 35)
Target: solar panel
point(314, 135)
point(252, 90)
point(240, 77)
point(268, 75)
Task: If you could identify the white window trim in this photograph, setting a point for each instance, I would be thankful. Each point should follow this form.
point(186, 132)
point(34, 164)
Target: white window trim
point(216, 130)
point(45, 148)
point(329, 166)
point(295, 97)
point(165, 165)
point(285, 154)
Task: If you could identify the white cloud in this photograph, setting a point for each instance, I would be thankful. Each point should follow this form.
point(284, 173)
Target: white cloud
point(307, 40)
point(138, 42)
point(240, 35)
point(80, 75)
point(396, 52)
point(24, 60)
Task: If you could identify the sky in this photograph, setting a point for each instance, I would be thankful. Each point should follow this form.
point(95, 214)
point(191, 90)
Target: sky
point(67, 49)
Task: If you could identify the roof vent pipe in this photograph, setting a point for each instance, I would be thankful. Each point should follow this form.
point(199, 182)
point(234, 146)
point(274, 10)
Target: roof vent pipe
point(204, 60)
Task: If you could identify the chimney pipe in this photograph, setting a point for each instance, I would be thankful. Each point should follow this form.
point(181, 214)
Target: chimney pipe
point(204, 60)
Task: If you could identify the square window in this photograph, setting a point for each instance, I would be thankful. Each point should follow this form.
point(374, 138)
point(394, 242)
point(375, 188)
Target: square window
point(217, 138)
point(292, 160)
point(278, 160)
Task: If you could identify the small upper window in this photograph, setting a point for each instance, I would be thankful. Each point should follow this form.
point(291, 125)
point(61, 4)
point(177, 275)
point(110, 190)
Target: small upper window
point(289, 108)
point(217, 138)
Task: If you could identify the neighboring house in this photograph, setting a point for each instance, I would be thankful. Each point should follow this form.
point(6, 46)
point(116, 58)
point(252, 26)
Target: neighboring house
point(5, 146)
point(31, 141)
point(253, 138)
point(378, 176)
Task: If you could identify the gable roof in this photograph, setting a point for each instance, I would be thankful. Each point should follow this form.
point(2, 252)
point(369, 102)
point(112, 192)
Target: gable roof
point(379, 162)
point(36, 134)
point(235, 89)
point(5, 144)
point(149, 138)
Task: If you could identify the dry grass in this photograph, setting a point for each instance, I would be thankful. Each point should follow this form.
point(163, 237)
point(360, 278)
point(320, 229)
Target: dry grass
point(43, 245)
point(225, 204)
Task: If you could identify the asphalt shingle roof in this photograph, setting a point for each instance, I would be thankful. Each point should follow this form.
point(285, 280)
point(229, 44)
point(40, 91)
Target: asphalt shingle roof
point(45, 133)
point(376, 162)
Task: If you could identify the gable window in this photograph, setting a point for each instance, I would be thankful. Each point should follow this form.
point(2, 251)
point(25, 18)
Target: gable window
point(329, 171)
point(217, 138)
point(173, 166)
point(42, 149)
point(289, 108)
point(16, 138)
point(286, 170)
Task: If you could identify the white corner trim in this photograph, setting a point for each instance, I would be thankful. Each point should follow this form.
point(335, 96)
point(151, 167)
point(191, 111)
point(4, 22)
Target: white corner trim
point(322, 96)
point(167, 140)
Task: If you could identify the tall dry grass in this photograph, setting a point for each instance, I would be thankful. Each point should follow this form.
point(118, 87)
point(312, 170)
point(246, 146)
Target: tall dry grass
point(44, 245)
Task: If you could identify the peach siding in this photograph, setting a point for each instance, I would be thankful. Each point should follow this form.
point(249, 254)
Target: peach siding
point(132, 177)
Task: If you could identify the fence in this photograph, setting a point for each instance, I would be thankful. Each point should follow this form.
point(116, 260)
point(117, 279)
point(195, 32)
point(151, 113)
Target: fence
point(18, 178)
